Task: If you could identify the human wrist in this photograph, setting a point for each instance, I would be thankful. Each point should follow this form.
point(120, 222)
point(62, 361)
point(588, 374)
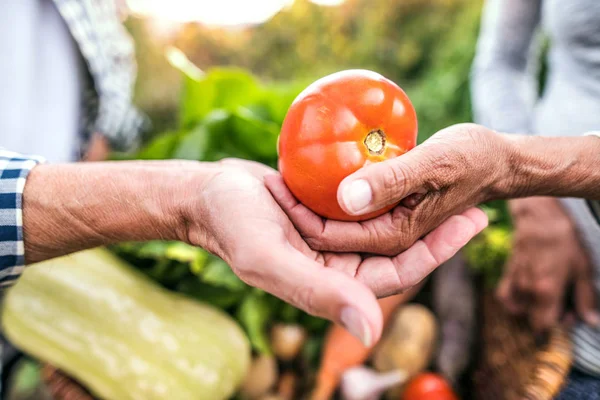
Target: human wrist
point(558, 166)
point(70, 207)
point(498, 180)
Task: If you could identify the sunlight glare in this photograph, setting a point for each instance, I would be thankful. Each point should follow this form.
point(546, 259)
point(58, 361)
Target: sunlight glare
point(328, 2)
point(218, 13)
point(215, 12)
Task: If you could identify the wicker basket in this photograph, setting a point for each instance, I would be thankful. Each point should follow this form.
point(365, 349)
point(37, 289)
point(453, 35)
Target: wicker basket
point(511, 365)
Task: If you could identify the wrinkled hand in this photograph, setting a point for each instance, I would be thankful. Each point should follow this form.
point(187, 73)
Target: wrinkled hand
point(248, 229)
point(547, 258)
point(446, 175)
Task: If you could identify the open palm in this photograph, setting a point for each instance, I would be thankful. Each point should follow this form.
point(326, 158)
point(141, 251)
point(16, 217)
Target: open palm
point(249, 230)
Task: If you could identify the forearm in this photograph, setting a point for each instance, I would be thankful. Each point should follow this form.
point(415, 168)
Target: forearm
point(72, 207)
point(559, 167)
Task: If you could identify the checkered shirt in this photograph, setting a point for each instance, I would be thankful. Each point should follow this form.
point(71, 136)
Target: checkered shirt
point(14, 169)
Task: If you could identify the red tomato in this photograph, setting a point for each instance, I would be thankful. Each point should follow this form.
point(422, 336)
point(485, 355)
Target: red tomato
point(337, 125)
point(428, 386)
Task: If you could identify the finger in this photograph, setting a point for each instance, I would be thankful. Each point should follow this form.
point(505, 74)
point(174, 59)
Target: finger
point(508, 292)
point(547, 295)
point(523, 278)
point(387, 276)
point(506, 296)
point(344, 262)
point(378, 236)
point(324, 292)
point(382, 184)
point(308, 223)
point(585, 301)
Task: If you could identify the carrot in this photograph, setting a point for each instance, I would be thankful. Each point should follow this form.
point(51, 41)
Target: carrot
point(342, 350)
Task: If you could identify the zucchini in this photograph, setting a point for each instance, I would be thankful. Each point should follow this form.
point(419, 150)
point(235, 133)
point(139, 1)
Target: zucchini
point(121, 335)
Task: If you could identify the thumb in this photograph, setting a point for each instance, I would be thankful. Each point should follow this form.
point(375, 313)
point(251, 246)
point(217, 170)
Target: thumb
point(327, 293)
point(385, 183)
point(585, 301)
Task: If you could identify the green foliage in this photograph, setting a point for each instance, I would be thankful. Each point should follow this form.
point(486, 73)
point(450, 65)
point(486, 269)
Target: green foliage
point(488, 252)
point(226, 113)
point(254, 314)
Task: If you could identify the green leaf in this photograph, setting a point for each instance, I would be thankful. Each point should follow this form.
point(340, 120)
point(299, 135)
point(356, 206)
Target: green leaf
point(488, 252)
point(313, 324)
point(183, 252)
point(198, 100)
point(155, 249)
point(161, 147)
point(221, 88)
point(259, 137)
point(234, 87)
point(27, 377)
point(217, 273)
point(215, 296)
point(194, 145)
point(311, 352)
point(279, 98)
point(289, 314)
point(254, 314)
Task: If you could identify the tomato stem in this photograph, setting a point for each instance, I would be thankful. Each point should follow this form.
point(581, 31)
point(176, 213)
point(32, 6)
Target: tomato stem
point(375, 142)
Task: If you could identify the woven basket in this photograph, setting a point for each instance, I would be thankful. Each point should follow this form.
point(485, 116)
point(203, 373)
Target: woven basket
point(511, 365)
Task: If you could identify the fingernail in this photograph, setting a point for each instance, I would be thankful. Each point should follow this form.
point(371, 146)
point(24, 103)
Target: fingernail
point(357, 325)
point(592, 318)
point(357, 195)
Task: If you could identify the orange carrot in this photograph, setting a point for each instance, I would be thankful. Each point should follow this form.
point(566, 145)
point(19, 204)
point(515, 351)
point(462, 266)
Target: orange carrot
point(342, 350)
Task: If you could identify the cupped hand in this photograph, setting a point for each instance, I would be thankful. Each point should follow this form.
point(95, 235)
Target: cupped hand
point(547, 258)
point(445, 176)
point(247, 228)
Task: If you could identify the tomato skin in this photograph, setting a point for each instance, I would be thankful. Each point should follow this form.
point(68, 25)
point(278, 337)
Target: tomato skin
point(323, 136)
point(428, 386)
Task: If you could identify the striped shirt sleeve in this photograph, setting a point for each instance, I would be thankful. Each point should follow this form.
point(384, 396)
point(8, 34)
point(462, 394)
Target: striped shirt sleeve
point(14, 169)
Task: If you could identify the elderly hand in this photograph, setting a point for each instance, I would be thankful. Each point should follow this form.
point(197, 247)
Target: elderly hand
point(457, 168)
point(225, 208)
point(248, 229)
point(547, 258)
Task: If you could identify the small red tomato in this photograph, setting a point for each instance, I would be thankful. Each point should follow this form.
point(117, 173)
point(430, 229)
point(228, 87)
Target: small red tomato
point(337, 125)
point(428, 386)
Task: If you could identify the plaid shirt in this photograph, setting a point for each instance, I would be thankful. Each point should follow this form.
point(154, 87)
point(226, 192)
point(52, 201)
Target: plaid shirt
point(109, 55)
point(13, 172)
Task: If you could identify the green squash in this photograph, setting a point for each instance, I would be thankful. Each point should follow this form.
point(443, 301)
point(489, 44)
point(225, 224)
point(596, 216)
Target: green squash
point(122, 336)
